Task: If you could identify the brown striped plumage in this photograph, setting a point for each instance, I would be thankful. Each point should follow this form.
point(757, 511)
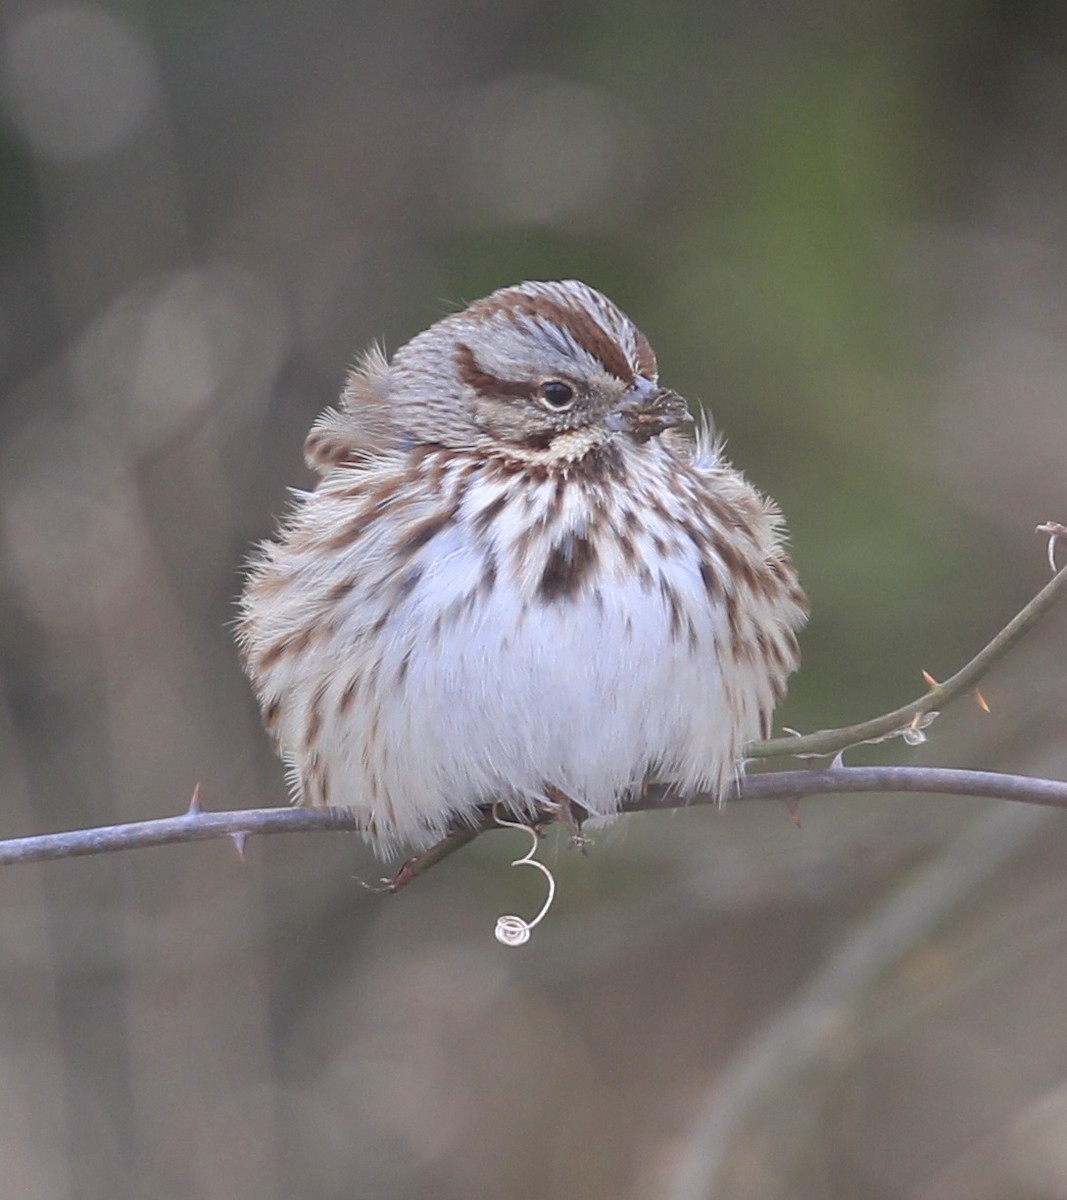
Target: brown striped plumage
point(515, 580)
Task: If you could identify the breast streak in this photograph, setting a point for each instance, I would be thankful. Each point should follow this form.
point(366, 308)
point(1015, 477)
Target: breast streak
point(474, 692)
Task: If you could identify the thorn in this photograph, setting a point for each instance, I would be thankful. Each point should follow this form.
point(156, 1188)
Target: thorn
point(983, 704)
point(930, 680)
point(239, 840)
point(195, 808)
point(837, 761)
point(792, 807)
point(812, 758)
point(405, 873)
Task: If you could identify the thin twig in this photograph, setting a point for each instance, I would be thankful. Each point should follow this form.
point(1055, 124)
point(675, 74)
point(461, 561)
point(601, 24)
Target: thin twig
point(199, 826)
point(418, 865)
point(836, 781)
point(832, 741)
point(165, 831)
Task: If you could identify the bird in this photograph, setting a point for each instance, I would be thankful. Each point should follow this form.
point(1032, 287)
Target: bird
point(519, 579)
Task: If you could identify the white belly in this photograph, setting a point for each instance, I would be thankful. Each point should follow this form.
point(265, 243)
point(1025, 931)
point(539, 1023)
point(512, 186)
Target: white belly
point(414, 663)
point(504, 696)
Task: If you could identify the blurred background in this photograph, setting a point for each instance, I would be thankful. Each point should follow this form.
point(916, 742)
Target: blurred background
point(843, 227)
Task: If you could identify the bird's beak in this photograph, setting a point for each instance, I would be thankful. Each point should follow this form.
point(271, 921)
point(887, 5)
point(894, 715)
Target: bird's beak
point(646, 410)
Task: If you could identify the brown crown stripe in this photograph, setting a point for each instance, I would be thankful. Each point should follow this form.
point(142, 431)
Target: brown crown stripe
point(581, 325)
point(644, 356)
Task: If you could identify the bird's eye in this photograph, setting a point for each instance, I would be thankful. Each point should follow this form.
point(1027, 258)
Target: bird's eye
point(556, 395)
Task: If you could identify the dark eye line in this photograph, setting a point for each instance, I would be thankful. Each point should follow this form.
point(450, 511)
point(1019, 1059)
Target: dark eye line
point(484, 382)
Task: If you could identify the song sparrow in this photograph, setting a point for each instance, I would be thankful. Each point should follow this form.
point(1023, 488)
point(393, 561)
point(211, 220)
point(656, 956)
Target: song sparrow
point(515, 580)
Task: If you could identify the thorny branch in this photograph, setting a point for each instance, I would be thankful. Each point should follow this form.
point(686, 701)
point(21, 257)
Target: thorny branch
point(919, 712)
point(197, 825)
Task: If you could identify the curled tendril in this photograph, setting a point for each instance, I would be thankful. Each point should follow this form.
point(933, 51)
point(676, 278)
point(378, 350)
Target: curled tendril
point(512, 930)
point(1056, 533)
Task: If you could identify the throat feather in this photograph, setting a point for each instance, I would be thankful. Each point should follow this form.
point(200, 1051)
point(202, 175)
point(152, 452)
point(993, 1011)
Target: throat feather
point(576, 453)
